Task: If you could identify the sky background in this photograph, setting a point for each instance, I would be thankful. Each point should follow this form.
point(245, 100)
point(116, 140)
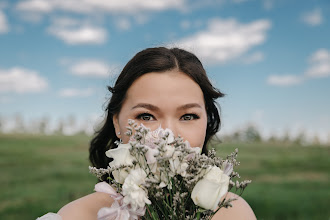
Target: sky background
point(270, 57)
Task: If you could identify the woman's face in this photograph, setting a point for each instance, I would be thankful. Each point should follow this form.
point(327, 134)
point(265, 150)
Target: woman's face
point(169, 99)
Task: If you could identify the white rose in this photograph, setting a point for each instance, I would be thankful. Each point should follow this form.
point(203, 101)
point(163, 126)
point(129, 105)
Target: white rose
point(121, 156)
point(133, 193)
point(209, 190)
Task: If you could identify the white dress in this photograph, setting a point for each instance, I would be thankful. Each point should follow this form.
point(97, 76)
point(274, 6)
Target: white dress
point(50, 216)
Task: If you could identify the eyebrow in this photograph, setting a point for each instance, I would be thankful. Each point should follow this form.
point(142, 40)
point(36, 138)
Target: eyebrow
point(147, 106)
point(155, 108)
point(189, 105)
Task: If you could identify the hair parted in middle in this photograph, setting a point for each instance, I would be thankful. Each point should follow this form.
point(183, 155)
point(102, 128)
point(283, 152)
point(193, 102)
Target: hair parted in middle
point(159, 59)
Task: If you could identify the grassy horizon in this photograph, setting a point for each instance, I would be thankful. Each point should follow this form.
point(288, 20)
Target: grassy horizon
point(41, 174)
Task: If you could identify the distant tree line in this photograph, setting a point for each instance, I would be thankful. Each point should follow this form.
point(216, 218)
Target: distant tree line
point(251, 134)
point(43, 125)
point(69, 126)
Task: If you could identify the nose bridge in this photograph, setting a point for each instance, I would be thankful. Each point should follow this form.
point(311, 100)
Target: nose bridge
point(171, 124)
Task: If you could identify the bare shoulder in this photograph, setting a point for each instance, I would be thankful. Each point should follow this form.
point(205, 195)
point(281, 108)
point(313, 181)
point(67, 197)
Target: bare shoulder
point(85, 207)
point(240, 210)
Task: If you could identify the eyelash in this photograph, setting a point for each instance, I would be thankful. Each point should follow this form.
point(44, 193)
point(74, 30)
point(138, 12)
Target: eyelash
point(140, 116)
point(194, 116)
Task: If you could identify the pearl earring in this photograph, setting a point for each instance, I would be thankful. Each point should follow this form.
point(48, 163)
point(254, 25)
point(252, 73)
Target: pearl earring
point(120, 141)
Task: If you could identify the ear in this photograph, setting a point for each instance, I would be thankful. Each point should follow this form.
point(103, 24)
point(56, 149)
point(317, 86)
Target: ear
point(116, 125)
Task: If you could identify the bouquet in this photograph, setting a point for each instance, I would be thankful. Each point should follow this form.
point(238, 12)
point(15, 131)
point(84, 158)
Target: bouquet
point(159, 176)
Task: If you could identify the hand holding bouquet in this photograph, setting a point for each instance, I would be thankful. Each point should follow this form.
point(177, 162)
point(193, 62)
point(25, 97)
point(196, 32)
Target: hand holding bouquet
point(159, 176)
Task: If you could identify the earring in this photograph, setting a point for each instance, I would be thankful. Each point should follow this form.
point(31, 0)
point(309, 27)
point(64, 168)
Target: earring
point(120, 141)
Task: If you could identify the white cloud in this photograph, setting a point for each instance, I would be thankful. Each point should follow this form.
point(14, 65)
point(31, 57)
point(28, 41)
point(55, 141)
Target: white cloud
point(36, 6)
point(319, 68)
point(35, 10)
point(225, 40)
point(190, 5)
point(65, 22)
point(254, 58)
point(93, 68)
point(313, 18)
point(320, 64)
point(81, 35)
point(136, 10)
point(239, 1)
point(185, 24)
point(4, 27)
point(95, 6)
point(188, 24)
point(268, 4)
point(21, 80)
point(320, 55)
point(123, 24)
point(284, 80)
point(74, 32)
point(73, 92)
point(31, 17)
point(141, 18)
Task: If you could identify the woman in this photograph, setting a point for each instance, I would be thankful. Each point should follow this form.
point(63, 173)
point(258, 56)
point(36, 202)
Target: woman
point(158, 87)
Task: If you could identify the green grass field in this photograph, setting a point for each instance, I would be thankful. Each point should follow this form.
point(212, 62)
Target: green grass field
point(40, 174)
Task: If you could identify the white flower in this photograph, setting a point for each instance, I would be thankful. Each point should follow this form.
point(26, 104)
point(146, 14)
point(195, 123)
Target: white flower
point(161, 177)
point(209, 190)
point(169, 150)
point(121, 156)
point(177, 164)
point(133, 193)
point(50, 216)
point(170, 137)
point(106, 188)
point(115, 212)
point(194, 150)
point(227, 167)
point(154, 136)
point(150, 154)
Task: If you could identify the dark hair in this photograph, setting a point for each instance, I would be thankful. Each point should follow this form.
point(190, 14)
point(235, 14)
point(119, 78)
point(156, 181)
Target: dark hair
point(158, 59)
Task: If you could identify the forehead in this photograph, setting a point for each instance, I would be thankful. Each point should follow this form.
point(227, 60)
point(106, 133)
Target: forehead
point(165, 88)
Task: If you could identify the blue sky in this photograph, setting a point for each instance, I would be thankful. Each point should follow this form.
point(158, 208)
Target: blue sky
point(271, 58)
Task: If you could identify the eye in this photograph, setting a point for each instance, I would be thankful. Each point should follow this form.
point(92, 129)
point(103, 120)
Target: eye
point(145, 117)
point(189, 117)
